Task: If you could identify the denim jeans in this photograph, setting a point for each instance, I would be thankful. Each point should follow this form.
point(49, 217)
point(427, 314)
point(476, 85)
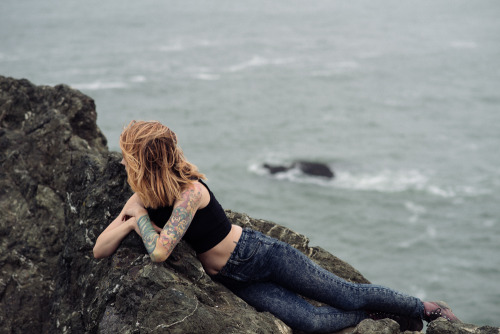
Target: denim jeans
point(270, 275)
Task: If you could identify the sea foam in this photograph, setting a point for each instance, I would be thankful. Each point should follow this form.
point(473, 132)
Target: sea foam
point(386, 180)
point(258, 61)
point(98, 85)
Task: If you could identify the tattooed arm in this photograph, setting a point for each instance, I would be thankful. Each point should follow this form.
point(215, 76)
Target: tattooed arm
point(160, 246)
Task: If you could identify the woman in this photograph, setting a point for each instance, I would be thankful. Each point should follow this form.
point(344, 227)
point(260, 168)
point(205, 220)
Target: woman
point(266, 273)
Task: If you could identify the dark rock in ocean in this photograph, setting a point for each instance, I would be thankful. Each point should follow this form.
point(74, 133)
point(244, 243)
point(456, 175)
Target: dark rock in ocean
point(306, 167)
point(314, 169)
point(277, 168)
point(59, 188)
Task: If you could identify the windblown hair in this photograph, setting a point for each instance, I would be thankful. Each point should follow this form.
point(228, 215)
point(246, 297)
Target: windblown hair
point(156, 168)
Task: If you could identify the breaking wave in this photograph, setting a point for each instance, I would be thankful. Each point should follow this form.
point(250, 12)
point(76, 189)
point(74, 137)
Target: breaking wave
point(389, 181)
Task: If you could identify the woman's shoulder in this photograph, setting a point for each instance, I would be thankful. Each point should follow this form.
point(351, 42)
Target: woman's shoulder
point(205, 193)
point(197, 193)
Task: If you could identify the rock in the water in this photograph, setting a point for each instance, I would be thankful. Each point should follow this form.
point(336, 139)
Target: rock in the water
point(59, 188)
point(274, 169)
point(306, 167)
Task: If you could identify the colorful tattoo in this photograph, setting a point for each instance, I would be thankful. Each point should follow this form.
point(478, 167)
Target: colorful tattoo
point(148, 233)
point(179, 221)
point(176, 226)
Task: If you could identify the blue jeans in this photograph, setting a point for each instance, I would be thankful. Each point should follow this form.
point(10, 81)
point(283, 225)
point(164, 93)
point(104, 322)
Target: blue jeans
point(269, 275)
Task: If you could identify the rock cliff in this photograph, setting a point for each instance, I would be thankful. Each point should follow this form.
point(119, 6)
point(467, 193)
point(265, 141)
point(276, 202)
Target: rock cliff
point(59, 188)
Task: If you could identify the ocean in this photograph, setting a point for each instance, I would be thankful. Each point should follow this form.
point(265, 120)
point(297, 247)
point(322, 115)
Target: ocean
point(400, 98)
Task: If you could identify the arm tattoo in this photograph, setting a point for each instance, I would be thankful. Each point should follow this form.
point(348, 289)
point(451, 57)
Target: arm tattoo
point(175, 228)
point(148, 233)
point(179, 221)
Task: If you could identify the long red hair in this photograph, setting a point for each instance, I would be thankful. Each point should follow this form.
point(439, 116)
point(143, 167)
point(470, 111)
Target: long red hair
point(156, 167)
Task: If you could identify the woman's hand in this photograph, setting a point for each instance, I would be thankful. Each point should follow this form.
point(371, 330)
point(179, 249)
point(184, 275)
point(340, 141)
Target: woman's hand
point(134, 208)
point(126, 222)
point(109, 240)
point(133, 223)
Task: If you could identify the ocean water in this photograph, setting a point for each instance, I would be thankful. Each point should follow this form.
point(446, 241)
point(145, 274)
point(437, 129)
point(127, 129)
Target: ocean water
point(400, 98)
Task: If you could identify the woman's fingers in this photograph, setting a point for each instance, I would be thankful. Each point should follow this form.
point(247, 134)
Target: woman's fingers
point(126, 217)
point(134, 208)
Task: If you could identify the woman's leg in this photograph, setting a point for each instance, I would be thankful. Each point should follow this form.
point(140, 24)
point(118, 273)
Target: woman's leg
point(259, 260)
point(295, 311)
point(296, 272)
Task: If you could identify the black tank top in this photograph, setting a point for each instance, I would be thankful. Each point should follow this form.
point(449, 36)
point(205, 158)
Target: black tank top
point(209, 226)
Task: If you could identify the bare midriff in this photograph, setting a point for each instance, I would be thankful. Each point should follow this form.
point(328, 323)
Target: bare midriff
point(214, 259)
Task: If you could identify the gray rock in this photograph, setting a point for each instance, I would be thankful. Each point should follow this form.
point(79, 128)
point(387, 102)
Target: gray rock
point(306, 167)
point(384, 326)
point(59, 188)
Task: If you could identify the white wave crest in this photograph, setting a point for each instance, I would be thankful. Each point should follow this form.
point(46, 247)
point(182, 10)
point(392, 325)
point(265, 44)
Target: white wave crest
point(388, 181)
point(257, 61)
point(385, 181)
point(206, 76)
point(416, 211)
point(138, 79)
point(98, 85)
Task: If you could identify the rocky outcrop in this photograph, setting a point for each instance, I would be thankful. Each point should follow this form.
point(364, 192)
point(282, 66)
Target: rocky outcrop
point(59, 188)
point(306, 167)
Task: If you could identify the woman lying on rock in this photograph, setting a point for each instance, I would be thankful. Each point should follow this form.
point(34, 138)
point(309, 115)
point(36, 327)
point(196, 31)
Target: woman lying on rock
point(268, 274)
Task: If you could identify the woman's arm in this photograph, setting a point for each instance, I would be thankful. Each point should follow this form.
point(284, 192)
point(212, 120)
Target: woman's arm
point(109, 240)
point(161, 246)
